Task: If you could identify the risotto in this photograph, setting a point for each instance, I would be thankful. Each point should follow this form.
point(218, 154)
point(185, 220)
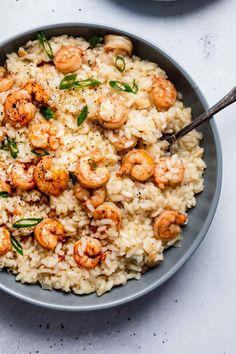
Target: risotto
point(90, 195)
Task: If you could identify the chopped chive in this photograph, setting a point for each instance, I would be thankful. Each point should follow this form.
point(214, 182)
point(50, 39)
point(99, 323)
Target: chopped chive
point(122, 86)
point(67, 82)
point(4, 194)
point(70, 81)
point(47, 112)
point(40, 152)
point(120, 63)
point(21, 222)
point(82, 116)
point(12, 147)
point(17, 245)
point(94, 40)
point(45, 44)
point(87, 83)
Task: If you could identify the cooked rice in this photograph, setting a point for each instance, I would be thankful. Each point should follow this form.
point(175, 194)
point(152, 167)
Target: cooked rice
point(134, 245)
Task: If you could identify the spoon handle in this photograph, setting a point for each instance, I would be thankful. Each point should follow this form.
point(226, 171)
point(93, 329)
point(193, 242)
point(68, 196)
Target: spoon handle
point(224, 102)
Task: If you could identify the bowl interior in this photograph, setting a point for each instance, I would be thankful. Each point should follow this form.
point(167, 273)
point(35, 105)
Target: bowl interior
point(199, 217)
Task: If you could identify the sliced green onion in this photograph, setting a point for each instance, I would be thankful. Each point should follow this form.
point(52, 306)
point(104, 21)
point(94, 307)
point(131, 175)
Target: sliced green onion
point(67, 82)
point(82, 116)
point(70, 81)
point(45, 44)
point(21, 223)
point(12, 147)
point(17, 245)
point(40, 152)
point(87, 83)
point(93, 41)
point(122, 86)
point(47, 112)
point(73, 177)
point(120, 63)
point(4, 194)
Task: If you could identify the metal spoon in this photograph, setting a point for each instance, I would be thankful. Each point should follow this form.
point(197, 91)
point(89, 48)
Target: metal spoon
point(224, 102)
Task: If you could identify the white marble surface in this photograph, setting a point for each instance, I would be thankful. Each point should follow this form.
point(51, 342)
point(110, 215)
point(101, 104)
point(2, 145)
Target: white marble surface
point(195, 311)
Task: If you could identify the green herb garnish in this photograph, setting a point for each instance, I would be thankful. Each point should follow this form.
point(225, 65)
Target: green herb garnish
point(120, 63)
point(93, 41)
point(4, 194)
point(87, 83)
point(40, 152)
point(45, 44)
point(47, 112)
point(67, 82)
point(17, 245)
point(82, 116)
point(122, 86)
point(21, 223)
point(70, 81)
point(12, 147)
point(73, 177)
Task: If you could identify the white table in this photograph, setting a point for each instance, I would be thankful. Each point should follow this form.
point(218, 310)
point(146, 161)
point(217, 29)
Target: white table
point(194, 312)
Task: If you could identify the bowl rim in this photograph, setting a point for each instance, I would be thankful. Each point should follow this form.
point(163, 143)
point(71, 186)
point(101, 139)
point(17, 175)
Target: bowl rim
point(215, 199)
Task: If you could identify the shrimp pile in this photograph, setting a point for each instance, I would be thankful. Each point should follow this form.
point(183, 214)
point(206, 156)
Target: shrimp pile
point(90, 195)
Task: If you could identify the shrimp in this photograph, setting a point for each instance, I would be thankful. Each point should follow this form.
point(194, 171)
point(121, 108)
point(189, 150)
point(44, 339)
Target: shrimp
point(48, 232)
point(22, 176)
point(6, 80)
point(123, 143)
point(18, 108)
point(167, 225)
point(5, 241)
point(50, 179)
point(68, 59)
point(168, 173)
point(43, 135)
point(94, 197)
point(37, 92)
point(89, 174)
point(138, 164)
point(87, 252)
point(110, 211)
point(5, 187)
point(163, 94)
point(112, 113)
point(118, 44)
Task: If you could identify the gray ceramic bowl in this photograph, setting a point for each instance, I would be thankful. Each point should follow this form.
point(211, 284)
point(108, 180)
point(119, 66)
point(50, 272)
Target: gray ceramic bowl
point(200, 217)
